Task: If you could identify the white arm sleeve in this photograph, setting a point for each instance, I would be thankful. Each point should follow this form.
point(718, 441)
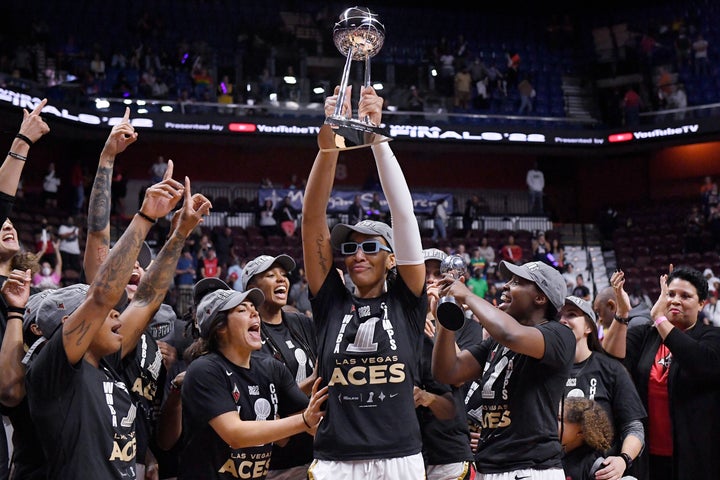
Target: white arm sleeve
point(406, 231)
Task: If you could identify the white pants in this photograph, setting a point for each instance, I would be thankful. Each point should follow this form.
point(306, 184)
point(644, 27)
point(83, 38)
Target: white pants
point(450, 471)
point(405, 468)
point(526, 474)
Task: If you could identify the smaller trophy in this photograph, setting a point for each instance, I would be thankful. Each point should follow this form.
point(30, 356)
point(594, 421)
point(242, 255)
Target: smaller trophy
point(450, 313)
point(359, 35)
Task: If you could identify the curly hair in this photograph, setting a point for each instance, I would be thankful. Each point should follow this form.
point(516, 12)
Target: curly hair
point(693, 276)
point(593, 420)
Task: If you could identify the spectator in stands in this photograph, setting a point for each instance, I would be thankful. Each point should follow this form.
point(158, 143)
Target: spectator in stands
point(49, 277)
point(471, 214)
point(266, 218)
point(69, 235)
point(694, 228)
point(486, 250)
point(290, 338)
point(711, 312)
point(585, 433)
point(540, 249)
point(77, 180)
point(158, 169)
point(581, 290)
point(462, 89)
point(210, 265)
point(597, 376)
point(300, 294)
point(51, 183)
point(185, 273)
point(225, 93)
point(511, 252)
point(523, 367)
point(675, 364)
point(700, 55)
point(356, 211)
point(527, 95)
point(223, 239)
point(286, 216)
point(390, 303)
point(440, 220)
point(569, 276)
point(631, 105)
point(535, 180)
point(415, 102)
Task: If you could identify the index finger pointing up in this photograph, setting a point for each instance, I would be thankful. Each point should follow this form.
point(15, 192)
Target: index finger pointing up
point(126, 117)
point(39, 107)
point(169, 170)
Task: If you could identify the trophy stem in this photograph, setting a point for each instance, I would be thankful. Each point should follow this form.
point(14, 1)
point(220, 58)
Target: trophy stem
point(367, 82)
point(344, 83)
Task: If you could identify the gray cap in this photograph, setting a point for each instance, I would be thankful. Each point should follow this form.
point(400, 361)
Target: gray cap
point(33, 306)
point(342, 231)
point(434, 254)
point(220, 301)
point(262, 264)
point(162, 325)
point(547, 278)
point(57, 305)
point(583, 305)
point(207, 285)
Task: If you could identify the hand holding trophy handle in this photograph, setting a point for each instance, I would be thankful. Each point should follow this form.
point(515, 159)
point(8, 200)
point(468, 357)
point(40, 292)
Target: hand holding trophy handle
point(450, 313)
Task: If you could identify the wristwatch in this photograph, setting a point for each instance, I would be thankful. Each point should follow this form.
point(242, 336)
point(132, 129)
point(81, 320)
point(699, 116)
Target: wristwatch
point(628, 460)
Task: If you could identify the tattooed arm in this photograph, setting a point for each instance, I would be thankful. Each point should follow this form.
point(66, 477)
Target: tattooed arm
point(98, 227)
point(156, 281)
point(317, 250)
point(112, 277)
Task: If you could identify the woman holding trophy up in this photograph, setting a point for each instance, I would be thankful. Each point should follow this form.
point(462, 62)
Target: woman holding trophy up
point(369, 342)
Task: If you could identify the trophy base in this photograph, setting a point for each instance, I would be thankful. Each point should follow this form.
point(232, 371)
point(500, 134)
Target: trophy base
point(450, 314)
point(351, 134)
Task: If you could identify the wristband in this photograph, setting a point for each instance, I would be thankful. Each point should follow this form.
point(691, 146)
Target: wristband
point(305, 421)
point(660, 320)
point(15, 316)
point(626, 457)
point(623, 320)
point(25, 139)
point(148, 218)
point(17, 156)
point(20, 310)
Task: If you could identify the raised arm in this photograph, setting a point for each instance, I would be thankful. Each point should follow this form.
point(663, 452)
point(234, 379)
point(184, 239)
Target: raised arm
point(97, 243)
point(317, 250)
point(112, 277)
point(157, 279)
point(15, 291)
point(32, 128)
point(406, 231)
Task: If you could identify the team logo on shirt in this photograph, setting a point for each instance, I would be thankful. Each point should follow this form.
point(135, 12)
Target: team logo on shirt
point(236, 393)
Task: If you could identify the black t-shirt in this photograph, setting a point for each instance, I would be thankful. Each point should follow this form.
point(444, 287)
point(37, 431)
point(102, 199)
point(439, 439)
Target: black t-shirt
point(213, 386)
point(369, 353)
point(606, 381)
point(518, 402)
point(292, 342)
point(84, 415)
point(28, 460)
point(145, 374)
point(578, 464)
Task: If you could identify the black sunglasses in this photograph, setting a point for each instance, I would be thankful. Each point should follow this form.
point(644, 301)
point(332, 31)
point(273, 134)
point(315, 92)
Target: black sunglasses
point(368, 246)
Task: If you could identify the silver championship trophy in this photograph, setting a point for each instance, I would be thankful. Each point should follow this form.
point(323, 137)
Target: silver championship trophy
point(450, 313)
point(359, 36)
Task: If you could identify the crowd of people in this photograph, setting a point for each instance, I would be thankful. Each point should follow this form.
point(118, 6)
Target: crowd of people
point(367, 379)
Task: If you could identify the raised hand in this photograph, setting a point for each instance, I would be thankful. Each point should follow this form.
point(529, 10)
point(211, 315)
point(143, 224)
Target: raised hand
point(331, 102)
point(191, 214)
point(370, 105)
point(161, 198)
point(16, 289)
point(121, 135)
point(33, 126)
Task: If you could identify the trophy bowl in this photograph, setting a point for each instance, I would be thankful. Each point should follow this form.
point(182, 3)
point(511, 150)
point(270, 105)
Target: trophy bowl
point(358, 30)
point(359, 35)
point(450, 313)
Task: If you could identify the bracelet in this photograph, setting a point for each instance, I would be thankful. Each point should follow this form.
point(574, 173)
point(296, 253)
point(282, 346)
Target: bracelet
point(623, 320)
point(305, 421)
point(20, 310)
point(149, 219)
point(659, 320)
point(15, 316)
point(627, 459)
point(17, 156)
point(25, 139)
